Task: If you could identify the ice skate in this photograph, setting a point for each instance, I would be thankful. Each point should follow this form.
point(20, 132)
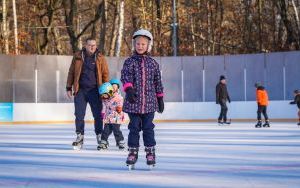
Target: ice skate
point(258, 125)
point(220, 122)
point(121, 145)
point(132, 158)
point(150, 156)
point(103, 145)
point(227, 122)
point(77, 144)
point(266, 124)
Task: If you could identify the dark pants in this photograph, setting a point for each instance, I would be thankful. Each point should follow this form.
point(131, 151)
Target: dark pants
point(81, 99)
point(109, 128)
point(223, 113)
point(263, 110)
point(141, 122)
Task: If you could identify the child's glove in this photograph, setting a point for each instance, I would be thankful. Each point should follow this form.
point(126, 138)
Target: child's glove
point(131, 95)
point(292, 102)
point(161, 104)
point(119, 109)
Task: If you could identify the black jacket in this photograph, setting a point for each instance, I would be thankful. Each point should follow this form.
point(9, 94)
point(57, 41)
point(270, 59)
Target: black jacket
point(296, 100)
point(221, 93)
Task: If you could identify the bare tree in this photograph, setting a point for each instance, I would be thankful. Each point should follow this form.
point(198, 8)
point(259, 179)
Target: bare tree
point(121, 28)
point(71, 11)
point(291, 40)
point(5, 27)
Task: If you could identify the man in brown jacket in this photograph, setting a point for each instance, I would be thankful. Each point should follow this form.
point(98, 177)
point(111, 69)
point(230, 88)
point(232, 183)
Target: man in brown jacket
point(87, 72)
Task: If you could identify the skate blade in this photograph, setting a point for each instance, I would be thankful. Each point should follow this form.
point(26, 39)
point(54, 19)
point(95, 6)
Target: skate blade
point(102, 149)
point(151, 166)
point(77, 148)
point(131, 167)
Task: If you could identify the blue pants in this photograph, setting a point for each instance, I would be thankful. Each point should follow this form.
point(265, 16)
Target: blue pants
point(81, 99)
point(112, 127)
point(141, 122)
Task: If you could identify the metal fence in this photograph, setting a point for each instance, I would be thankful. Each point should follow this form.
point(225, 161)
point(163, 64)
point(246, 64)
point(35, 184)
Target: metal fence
point(42, 79)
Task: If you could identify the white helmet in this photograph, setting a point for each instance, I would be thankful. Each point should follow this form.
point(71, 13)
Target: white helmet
point(145, 33)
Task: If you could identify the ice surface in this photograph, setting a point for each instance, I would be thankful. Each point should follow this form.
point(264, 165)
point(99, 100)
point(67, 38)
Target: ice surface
point(188, 155)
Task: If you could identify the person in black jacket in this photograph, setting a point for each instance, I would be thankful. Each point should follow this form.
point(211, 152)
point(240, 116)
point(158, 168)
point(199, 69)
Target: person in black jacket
point(222, 97)
point(297, 101)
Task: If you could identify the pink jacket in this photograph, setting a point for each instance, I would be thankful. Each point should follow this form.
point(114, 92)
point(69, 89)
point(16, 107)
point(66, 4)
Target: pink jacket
point(109, 110)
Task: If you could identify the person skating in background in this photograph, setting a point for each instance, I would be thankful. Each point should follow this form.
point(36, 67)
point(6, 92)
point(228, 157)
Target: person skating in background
point(87, 72)
point(222, 97)
point(142, 83)
point(262, 100)
point(297, 101)
point(112, 113)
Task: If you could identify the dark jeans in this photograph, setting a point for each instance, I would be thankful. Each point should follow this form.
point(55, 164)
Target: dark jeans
point(263, 110)
point(109, 128)
point(81, 99)
point(223, 113)
point(141, 122)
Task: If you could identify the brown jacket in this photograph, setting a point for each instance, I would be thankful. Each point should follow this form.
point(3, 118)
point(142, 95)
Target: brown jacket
point(76, 67)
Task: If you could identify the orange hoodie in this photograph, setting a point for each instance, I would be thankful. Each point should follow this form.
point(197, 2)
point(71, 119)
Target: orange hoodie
point(262, 96)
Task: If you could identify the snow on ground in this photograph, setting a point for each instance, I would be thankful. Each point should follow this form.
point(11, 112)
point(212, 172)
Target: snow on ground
point(188, 155)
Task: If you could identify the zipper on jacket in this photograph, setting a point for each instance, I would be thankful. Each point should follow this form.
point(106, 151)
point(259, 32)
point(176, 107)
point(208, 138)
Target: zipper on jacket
point(143, 85)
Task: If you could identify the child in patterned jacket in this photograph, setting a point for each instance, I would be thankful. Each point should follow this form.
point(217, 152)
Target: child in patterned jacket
point(112, 114)
point(142, 83)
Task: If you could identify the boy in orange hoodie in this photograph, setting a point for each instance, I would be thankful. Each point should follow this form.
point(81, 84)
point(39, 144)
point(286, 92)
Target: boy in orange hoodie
point(262, 103)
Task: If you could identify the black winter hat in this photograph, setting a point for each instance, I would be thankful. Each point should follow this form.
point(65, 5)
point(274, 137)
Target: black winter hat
point(222, 77)
point(257, 84)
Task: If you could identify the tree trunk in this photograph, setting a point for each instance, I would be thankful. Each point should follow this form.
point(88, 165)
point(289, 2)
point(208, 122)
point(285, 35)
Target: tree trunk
point(114, 29)
point(15, 28)
point(70, 16)
point(158, 27)
point(121, 28)
point(291, 41)
point(260, 24)
point(221, 9)
point(297, 20)
point(57, 43)
point(5, 28)
point(144, 19)
point(208, 28)
point(193, 35)
point(103, 28)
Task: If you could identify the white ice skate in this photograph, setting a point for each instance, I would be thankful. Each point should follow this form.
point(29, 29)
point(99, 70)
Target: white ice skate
point(78, 143)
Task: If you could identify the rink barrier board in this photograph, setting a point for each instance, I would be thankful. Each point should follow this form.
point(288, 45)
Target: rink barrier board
point(42, 78)
point(187, 111)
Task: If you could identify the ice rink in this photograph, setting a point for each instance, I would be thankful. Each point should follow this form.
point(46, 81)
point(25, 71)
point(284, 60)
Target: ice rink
point(188, 155)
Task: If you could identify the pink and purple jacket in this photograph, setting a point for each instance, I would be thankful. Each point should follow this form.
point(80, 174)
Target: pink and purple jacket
point(110, 115)
point(142, 73)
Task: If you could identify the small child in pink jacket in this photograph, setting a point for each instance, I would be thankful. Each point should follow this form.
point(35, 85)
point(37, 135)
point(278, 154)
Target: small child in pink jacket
point(113, 116)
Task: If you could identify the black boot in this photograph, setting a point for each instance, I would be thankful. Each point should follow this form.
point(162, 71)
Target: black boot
point(266, 124)
point(258, 124)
